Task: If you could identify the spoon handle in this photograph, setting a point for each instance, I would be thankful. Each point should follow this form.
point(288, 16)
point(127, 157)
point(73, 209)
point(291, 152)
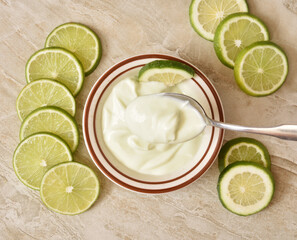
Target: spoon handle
point(288, 132)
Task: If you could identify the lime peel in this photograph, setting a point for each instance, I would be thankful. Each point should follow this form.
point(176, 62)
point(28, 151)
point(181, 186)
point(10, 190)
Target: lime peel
point(239, 37)
point(167, 71)
point(69, 188)
point(245, 188)
point(79, 39)
point(269, 72)
point(58, 64)
point(208, 14)
point(243, 149)
point(44, 92)
point(45, 119)
point(36, 154)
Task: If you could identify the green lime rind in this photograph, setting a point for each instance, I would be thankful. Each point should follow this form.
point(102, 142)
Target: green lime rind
point(228, 145)
point(46, 129)
point(44, 179)
point(243, 164)
point(159, 64)
point(219, 34)
point(56, 75)
point(166, 64)
point(58, 140)
point(87, 29)
point(39, 103)
point(193, 15)
point(239, 62)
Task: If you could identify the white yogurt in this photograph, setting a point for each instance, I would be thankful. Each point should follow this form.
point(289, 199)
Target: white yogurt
point(163, 119)
point(136, 151)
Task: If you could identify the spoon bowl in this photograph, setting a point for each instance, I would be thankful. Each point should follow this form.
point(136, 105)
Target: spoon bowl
point(287, 132)
point(191, 101)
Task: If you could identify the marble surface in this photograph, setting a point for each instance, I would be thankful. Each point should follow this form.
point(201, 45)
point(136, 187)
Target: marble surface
point(128, 28)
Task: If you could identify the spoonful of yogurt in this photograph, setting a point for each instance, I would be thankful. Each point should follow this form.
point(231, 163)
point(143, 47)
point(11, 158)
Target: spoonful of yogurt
point(158, 118)
point(175, 118)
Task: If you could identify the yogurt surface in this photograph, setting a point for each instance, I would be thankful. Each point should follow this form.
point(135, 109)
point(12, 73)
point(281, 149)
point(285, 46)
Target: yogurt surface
point(138, 151)
point(163, 119)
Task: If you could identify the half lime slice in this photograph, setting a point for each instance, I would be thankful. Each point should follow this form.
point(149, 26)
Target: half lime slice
point(261, 69)
point(69, 188)
point(58, 64)
point(80, 40)
point(44, 92)
point(244, 149)
point(205, 15)
point(165, 71)
point(36, 154)
point(53, 120)
point(245, 188)
point(236, 32)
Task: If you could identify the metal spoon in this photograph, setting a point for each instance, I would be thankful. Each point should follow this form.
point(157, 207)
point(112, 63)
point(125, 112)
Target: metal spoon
point(287, 132)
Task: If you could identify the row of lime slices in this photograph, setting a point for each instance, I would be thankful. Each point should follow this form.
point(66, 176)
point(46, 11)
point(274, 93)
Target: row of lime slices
point(245, 185)
point(241, 41)
point(49, 133)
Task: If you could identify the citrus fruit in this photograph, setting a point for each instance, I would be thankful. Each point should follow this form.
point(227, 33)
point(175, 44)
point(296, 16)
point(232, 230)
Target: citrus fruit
point(80, 40)
point(245, 188)
point(165, 71)
point(69, 188)
point(44, 92)
point(205, 15)
point(53, 120)
point(236, 32)
point(36, 154)
point(57, 64)
point(261, 68)
point(243, 149)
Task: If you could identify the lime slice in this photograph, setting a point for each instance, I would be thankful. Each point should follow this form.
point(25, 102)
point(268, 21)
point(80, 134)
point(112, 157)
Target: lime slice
point(245, 188)
point(261, 68)
point(236, 32)
point(36, 154)
point(205, 15)
point(244, 149)
point(58, 64)
point(69, 188)
point(54, 120)
point(165, 71)
point(44, 92)
point(80, 40)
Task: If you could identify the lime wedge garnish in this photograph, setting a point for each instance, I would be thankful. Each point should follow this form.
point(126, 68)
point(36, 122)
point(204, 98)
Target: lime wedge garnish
point(53, 120)
point(44, 92)
point(80, 40)
point(69, 188)
point(261, 69)
point(244, 149)
point(165, 71)
point(236, 32)
point(245, 188)
point(36, 154)
point(205, 15)
point(58, 64)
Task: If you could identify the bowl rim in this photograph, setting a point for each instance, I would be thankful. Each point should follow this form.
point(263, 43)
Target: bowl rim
point(97, 161)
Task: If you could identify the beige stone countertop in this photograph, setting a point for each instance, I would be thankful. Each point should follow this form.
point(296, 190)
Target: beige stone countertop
point(128, 28)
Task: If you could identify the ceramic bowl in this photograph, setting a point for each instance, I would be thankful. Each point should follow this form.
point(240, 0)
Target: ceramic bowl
point(127, 178)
